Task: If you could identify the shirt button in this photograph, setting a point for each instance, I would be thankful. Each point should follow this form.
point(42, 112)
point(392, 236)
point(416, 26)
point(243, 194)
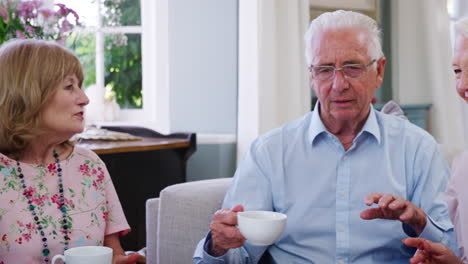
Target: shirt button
point(341, 262)
point(341, 228)
point(345, 157)
point(341, 194)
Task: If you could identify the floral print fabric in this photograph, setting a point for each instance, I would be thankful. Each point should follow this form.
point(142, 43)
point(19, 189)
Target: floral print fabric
point(93, 207)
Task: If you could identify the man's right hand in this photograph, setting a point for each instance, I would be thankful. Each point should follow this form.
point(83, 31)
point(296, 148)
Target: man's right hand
point(224, 233)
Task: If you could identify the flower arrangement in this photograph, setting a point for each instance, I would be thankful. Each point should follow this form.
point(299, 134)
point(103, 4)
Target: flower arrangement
point(31, 19)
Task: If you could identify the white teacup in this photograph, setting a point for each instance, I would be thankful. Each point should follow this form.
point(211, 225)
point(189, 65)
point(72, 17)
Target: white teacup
point(86, 255)
point(261, 228)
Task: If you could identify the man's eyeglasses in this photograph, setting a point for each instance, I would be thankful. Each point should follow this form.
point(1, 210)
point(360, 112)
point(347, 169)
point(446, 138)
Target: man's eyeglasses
point(350, 71)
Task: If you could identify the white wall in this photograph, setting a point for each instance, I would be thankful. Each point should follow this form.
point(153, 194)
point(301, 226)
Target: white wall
point(195, 65)
point(409, 78)
point(203, 66)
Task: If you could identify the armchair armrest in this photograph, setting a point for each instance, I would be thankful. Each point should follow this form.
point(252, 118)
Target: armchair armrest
point(181, 216)
point(152, 210)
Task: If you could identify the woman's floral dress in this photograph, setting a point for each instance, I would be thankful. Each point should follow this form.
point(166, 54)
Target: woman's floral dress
point(92, 205)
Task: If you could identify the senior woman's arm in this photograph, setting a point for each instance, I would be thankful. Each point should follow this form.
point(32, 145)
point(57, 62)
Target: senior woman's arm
point(119, 257)
point(430, 252)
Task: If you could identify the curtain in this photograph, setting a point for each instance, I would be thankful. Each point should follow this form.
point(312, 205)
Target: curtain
point(422, 69)
point(273, 78)
point(446, 114)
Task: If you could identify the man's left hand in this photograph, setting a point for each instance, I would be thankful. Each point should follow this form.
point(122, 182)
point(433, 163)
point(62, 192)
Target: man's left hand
point(122, 259)
point(396, 208)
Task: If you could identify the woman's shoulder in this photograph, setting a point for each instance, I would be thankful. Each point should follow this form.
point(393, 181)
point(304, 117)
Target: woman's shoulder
point(83, 153)
point(459, 170)
point(6, 161)
point(461, 159)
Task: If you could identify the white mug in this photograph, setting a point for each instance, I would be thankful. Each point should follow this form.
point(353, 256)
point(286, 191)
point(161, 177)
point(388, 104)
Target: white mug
point(86, 255)
point(261, 228)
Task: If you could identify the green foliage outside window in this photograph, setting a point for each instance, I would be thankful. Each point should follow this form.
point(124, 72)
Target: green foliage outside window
point(122, 53)
point(84, 46)
point(123, 71)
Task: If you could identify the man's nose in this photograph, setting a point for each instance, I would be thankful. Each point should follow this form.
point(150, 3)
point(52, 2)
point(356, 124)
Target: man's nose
point(339, 81)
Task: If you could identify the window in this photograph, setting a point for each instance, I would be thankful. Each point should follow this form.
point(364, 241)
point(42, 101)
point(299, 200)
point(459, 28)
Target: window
point(110, 46)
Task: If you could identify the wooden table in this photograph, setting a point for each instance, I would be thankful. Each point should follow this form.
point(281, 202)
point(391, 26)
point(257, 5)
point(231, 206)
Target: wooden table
point(140, 170)
point(146, 144)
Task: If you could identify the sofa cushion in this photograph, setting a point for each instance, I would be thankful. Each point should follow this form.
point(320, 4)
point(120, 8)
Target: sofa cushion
point(185, 212)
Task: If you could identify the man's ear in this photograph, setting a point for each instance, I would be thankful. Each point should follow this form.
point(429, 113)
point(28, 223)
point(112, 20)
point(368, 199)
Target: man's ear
point(381, 70)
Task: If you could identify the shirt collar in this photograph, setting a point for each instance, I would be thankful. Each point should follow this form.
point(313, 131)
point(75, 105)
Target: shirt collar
point(317, 127)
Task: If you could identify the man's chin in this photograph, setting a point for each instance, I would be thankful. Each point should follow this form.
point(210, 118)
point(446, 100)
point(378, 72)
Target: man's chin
point(345, 115)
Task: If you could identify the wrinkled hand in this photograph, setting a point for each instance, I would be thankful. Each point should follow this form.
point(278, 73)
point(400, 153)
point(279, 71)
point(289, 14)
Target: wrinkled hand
point(122, 259)
point(224, 233)
point(431, 253)
point(396, 208)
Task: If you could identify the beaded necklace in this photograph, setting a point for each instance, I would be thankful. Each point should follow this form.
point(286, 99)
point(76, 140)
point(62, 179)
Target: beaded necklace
point(45, 251)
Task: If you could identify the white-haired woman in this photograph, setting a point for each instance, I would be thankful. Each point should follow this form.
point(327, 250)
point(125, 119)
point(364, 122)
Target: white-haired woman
point(457, 196)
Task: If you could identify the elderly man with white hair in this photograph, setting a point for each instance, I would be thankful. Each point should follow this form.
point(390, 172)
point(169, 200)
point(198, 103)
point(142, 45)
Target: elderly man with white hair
point(353, 181)
point(457, 195)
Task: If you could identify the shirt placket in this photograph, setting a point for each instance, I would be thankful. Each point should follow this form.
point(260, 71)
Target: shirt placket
point(342, 209)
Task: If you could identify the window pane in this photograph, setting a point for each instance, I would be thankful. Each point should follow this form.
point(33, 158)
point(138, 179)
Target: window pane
point(86, 9)
point(121, 13)
point(123, 68)
point(84, 46)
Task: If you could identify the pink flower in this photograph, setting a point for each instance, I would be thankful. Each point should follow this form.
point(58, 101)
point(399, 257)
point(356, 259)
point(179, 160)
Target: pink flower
point(84, 168)
point(28, 9)
point(51, 168)
point(29, 191)
point(77, 18)
point(22, 21)
point(20, 34)
point(27, 237)
point(30, 226)
point(56, 200)
point(63, 11)
point(4, 14)
point(66, 26)
point(100, 179)
point(20, 224)
point(30, 30)
point(7, 162)
point(19, 240)
point(46, 13)
point(105, 215)
point(39, 200)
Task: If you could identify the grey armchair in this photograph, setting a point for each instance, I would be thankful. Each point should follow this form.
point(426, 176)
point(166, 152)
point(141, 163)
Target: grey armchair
point(179, 218)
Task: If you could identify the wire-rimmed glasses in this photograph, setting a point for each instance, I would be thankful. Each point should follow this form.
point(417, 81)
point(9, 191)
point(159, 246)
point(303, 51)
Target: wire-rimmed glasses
point(350, 71)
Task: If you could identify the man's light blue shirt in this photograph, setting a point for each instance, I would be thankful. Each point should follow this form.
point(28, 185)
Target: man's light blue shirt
point(303, 171)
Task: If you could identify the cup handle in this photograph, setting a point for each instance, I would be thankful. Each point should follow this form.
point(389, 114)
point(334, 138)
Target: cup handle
point(58, 257)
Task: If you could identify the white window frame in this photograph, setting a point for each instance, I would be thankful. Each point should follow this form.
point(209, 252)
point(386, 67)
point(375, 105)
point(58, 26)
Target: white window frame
point(146, 116)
